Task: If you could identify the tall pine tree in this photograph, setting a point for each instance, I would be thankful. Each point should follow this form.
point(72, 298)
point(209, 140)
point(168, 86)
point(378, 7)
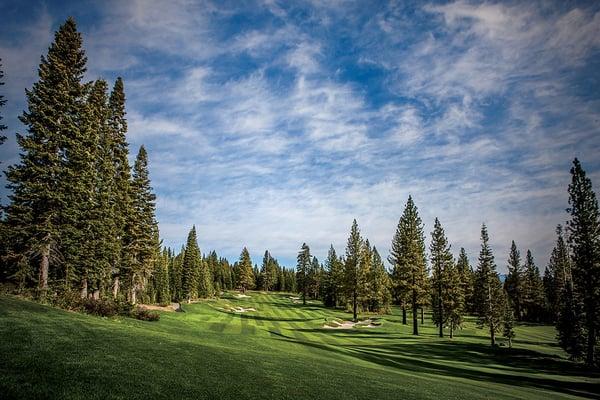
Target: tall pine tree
point(407, 256)
point(303, 271)
point(245, 275)
point(584, 240)
point(488, 289)
point(352, 268)
point(38, 184)
point(442, 266)
point(513, 285)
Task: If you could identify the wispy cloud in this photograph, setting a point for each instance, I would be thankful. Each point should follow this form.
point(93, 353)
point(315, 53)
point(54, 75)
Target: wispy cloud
point(273, 123)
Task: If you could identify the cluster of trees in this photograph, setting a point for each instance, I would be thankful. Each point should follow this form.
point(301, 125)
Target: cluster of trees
point(79, 218)
point(358, 281)
point(190, 275)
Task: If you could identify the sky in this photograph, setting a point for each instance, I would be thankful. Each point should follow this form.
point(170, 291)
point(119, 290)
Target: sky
point(272, 123)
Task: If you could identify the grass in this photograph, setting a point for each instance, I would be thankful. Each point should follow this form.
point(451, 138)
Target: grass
point(281, 351)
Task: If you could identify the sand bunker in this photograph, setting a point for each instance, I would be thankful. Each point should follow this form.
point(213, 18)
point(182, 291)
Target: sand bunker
point(240, 309)
point(335, 324)
point(241, 296)
point(170, 308)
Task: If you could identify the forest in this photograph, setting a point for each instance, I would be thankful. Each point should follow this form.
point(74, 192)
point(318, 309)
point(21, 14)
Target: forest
point(79, 232)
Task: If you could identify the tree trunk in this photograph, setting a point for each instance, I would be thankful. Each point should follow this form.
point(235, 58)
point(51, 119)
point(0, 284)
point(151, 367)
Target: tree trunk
point(354, 305)
point(403, 313)
point(422, 316)
point(414, 312)
point(84, 289)
point(44, 267)
point(492, 334)
point(115, 291)
point(591, 344)
point(96, 294)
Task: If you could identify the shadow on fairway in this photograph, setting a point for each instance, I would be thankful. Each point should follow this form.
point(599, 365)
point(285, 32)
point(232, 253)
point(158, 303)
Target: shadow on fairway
point(430, 358)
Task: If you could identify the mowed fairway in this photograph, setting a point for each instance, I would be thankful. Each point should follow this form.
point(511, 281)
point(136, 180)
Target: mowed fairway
point(280, 351)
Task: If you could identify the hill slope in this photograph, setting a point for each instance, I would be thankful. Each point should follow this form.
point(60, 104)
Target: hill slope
point(279, 351)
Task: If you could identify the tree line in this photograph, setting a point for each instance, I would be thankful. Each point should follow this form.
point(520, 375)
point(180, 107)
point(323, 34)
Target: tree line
point(80, 220)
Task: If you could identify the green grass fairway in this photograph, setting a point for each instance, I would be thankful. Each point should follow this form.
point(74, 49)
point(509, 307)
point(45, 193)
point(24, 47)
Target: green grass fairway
point(280, 351)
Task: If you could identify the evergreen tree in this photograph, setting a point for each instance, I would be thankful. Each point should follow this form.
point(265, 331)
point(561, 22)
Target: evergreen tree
point(409, 275)
point(245, 275)
point(190, 268)
point(314, 278)
point(352, 268)
point(467, 280)
point(584, 240)
point(364, 290)
point(123, 214)
point(334, 281)
point(380, 296)
point(508, 322)
point(177, 275)
point(303, 271)
point(513, 284)
point(488, 289)
point(143, 229)
point(456, 298)
point(268, 272)
point(441, 264)
point(571, 332)
point(163, 294)
point(205, 280)
point(38, 184)
point(557, 274)
point(533, 296)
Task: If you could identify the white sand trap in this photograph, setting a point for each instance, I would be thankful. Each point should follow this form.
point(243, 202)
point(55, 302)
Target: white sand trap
point(235, 309)
point(367, 323)
point(241, 296)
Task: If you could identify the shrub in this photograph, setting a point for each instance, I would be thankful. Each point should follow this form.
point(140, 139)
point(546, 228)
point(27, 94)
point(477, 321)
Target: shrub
point(145, 315)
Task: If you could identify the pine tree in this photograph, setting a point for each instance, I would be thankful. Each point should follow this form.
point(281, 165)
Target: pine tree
point(303, 270)
point(380, 295)
point(364, 290)
point(245, 276)
point(205, 280)
point(488, 289)
point(38, 183)
point(571, 333)
point(455, 305)
point(467, 280)
point(409, 275)
point(513, 285)
point(584, 240)
point(268, 272)
point(557, 274)
point(441, 264)
point(352, 268)
point(123, 214)
point(508, 322)
point(190, 268)
point(334, 281)
point(177, 276)
point(163, 294)
point(533, 296)
point(314, 278)
point(143, 228)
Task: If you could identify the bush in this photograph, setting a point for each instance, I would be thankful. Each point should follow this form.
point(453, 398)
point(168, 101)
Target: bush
point(145, 315)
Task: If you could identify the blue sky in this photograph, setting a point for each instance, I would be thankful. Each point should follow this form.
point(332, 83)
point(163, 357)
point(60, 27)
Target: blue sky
point(273, 123)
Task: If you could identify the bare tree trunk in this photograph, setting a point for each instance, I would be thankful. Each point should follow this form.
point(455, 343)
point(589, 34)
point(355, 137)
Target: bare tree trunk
point(44, 267)
point(96, 294)
point(414, 313)
point(422, 316)
point(84, 288)
point(354, 305)
point(115, 290)
point(492, 334)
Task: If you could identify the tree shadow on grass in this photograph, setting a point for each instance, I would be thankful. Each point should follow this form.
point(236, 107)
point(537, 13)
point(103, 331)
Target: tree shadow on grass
point(431, 358)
